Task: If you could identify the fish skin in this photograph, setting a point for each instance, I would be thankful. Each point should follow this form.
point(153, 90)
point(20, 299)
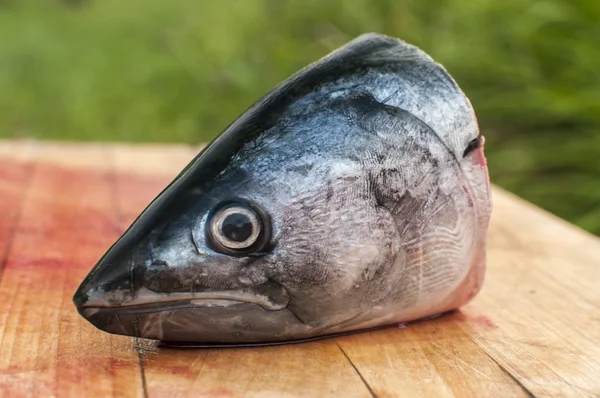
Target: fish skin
point(377, 218)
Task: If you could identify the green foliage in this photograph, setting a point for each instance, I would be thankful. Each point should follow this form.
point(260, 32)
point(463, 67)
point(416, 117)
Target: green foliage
point(182, 70)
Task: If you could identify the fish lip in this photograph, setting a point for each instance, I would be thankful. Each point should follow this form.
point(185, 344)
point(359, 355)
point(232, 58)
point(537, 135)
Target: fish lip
point(90, 310)
point(193, 299)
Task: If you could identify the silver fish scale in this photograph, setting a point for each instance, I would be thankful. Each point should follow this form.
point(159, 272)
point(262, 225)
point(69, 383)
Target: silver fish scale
point(361, 194)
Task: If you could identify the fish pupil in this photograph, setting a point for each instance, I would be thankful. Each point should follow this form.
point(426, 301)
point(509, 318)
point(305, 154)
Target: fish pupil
point(237, 227)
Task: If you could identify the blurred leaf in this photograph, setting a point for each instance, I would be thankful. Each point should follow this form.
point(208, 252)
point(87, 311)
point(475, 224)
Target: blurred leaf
point(182, 70)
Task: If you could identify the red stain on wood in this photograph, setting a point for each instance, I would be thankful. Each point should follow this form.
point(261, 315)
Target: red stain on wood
point(13, 181)
point(217, 393)
point(483, 322)
point(60, 227)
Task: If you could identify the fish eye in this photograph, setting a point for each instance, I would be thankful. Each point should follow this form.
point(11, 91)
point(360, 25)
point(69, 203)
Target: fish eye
point(238, 228)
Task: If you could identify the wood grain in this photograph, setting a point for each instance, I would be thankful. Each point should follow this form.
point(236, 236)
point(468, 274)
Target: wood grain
point(532, 331)
point(67, 221)
point(433, 358)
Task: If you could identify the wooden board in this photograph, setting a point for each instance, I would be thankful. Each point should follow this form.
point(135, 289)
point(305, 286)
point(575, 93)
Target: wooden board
point(532, 331)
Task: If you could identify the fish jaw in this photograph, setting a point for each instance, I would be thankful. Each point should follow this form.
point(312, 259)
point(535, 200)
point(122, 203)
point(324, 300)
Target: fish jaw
point(205, 321)
point(227, 316)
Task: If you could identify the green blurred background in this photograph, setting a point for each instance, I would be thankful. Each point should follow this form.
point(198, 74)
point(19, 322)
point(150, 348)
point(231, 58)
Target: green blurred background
point(181, 71)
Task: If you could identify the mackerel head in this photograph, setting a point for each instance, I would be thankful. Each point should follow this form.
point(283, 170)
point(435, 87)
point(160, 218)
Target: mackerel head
point(353, 195)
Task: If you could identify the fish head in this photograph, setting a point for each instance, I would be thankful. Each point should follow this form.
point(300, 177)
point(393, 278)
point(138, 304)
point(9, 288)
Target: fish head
point(353, 195)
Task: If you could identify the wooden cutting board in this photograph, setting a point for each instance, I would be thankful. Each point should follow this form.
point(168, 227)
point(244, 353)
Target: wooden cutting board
point(534, 330)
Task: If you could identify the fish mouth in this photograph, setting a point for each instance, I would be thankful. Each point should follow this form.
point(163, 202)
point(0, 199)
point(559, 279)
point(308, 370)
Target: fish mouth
point(211, 317)
point(146, 298)
point(198, 321)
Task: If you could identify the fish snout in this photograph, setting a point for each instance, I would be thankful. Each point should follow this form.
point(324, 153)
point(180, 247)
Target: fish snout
point(115, 279)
